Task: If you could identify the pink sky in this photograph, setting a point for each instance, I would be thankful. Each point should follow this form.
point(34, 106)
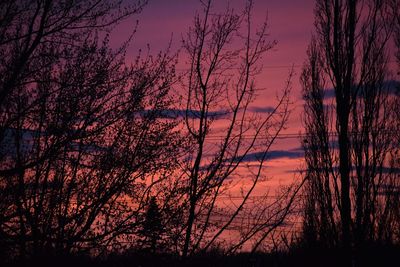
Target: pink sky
point(290, 23)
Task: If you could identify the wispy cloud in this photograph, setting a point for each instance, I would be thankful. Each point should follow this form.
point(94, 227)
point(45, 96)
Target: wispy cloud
point(26, 139)
point(274, 154)
point(195, 114)
point(182, 113)
point(390, 86)
point(266, 109)
point(385, 170)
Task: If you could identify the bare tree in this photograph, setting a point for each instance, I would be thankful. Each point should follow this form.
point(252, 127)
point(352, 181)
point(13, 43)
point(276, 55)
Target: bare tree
point(349, 142)
point(80, 130)
point(31, 30)
point(224, 53)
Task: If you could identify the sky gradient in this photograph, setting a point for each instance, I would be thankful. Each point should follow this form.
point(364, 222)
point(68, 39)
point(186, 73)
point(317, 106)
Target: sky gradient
point(290, 24)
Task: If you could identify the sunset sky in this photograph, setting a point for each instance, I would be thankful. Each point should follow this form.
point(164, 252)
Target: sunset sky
point(240, 132)
point(290, 24)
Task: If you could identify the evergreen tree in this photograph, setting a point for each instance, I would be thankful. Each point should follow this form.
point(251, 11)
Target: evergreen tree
point(152, 228)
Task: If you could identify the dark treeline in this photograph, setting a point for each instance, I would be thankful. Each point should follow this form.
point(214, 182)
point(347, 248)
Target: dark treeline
point(110, 160)
point(352, 145)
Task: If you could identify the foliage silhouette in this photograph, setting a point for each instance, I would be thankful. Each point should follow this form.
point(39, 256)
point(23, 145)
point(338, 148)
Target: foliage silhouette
point(75, 145)
point(352, 190)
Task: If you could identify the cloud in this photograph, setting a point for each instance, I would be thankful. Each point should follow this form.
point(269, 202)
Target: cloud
point(385, 170)
point(266, 109)
point(27, 139)
point(275, 154)
point(195, 114)
point(329, 93)
point(8, 146)
point(182, 113)
point(391, 86)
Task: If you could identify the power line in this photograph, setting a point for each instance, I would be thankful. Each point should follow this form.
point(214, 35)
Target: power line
point(259, 68)
point(285, 136)
point(295, 65)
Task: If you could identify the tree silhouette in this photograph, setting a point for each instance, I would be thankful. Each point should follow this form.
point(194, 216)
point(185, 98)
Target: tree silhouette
point(349, 144)
point(220, 85)
point(80, 129)
point(152, 227)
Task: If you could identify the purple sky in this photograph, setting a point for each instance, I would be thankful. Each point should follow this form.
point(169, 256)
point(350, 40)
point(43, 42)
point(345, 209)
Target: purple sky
point(290, 23)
